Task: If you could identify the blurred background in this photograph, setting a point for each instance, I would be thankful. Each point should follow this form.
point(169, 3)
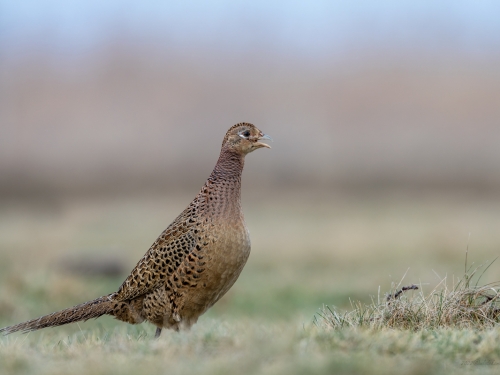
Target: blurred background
point(385, 117)
point(123, 96)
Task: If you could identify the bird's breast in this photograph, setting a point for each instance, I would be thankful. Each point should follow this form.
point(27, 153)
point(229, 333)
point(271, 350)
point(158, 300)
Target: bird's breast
point(230, 247)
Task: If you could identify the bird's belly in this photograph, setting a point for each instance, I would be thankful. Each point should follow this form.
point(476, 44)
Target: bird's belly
point(225, 259)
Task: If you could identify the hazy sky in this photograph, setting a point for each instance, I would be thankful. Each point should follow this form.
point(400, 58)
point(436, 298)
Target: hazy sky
point(311, 27)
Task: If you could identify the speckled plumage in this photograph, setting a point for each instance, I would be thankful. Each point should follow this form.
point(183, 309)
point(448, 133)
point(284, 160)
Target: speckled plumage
point(192, 264)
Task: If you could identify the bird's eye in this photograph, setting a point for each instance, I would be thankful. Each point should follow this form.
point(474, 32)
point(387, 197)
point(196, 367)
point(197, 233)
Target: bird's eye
point(245, 134)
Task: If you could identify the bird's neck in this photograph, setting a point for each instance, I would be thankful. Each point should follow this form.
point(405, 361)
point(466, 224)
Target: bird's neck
point(228, 168)
point(222, 191)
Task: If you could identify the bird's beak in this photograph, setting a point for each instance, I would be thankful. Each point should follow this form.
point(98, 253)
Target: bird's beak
point(260, 144)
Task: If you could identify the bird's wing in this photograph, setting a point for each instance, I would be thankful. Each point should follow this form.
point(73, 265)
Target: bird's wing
point(162, 259)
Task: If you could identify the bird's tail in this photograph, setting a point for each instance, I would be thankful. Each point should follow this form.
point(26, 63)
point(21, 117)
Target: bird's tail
point(85, 311)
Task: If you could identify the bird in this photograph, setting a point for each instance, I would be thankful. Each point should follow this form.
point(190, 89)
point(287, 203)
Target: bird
point(193, 262)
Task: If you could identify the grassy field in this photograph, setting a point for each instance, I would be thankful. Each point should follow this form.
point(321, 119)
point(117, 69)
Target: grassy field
point(321, 250)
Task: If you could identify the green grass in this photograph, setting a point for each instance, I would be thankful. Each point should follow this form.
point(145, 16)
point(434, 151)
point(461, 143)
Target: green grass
point(274, 320)
point(216, 347)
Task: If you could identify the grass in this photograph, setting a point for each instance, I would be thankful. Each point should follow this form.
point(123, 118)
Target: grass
point(247, 347)
point(466, 305)
point(271, 321)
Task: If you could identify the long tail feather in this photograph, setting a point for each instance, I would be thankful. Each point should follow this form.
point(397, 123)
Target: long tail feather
point(85, 311)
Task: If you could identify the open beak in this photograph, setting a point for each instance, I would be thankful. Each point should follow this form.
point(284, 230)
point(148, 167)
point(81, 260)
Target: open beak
point(260, 144)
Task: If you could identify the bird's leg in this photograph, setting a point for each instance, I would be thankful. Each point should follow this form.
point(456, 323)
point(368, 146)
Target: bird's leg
point(158, 332)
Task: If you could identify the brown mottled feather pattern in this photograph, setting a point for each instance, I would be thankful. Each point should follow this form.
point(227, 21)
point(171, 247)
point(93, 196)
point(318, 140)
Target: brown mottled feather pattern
point(193, 262)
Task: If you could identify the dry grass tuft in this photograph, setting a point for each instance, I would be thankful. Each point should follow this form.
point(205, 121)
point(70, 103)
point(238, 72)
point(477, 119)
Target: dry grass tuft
point(463, 306)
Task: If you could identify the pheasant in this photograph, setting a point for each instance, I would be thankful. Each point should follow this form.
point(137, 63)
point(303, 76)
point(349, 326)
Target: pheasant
point(192, 264)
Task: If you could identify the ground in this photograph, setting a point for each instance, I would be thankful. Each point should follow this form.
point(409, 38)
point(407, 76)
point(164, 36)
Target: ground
point(324, 249)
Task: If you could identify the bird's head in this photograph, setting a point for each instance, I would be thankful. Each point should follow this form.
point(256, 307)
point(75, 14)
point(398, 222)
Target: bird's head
point(244, 138)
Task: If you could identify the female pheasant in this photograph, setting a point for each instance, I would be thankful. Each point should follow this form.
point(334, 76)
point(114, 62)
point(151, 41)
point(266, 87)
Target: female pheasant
point(192, 264)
